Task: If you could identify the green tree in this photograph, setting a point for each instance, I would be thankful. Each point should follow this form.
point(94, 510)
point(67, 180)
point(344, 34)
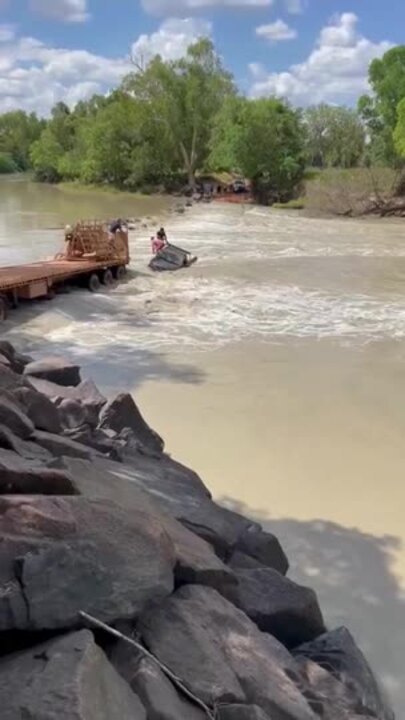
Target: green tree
point(182, 99)
point(379, 111)
point(18, 130)
point(224, 141)
point(264, 139)
point(56, 140)
point(335, 136)
point(46, 154)
point(399, 132)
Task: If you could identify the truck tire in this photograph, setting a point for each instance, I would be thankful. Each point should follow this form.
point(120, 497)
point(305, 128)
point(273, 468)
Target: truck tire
point(3, 309)
point(94, 283)
point(120, 272)
point(107, 278)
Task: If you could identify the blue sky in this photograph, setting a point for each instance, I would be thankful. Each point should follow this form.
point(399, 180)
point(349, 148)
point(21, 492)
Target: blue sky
point(306, 50)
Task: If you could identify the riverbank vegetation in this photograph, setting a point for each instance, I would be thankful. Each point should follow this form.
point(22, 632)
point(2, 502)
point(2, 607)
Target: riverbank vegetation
point(170, 121)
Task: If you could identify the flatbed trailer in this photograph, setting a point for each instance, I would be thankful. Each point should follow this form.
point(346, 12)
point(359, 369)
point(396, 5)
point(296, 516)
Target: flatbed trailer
point(92, 257)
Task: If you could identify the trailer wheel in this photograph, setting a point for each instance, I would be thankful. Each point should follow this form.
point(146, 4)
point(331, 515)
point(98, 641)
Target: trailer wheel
point(3, 309)
point(120, 272)
point(94, 283)
point(107, 278)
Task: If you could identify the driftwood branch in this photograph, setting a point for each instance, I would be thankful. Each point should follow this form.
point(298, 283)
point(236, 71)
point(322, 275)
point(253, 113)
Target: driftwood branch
point(174, 679)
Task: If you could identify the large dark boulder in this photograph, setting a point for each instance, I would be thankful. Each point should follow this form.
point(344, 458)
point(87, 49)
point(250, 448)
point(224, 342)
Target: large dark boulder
point(195, 560)
point(279, 606)
point(9, 380)
point(72, 414)
point(54, 369)
point(86, 393)
point(59, 446)
point(12, 417)
point(242, 712)
point(63, 555)
point(337, 652)
point(158, 695)
point(240, 561)
point(15, 360)
point(263, 547)
point(68, 678)
point(330, 698)
point(122, 413)
point(21, 476)
point(181, 493)
point(221, 655)
point(40, 410)
point(25, 448)
point(96, 439)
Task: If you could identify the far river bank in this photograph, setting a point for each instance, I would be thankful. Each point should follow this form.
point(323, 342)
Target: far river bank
point(275, 367)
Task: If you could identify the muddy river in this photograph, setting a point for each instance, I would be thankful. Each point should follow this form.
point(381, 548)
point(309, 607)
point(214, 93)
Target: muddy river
point(275, 367)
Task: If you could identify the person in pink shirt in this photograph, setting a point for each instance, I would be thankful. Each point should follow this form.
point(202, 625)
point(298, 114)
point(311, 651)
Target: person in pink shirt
point(157, 244)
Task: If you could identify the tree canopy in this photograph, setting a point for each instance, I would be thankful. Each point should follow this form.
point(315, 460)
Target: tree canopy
point(380, 110)
point(335, 136)
point(170, 120)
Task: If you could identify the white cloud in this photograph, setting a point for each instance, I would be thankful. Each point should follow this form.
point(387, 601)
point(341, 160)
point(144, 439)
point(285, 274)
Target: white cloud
point(74, 11)
point(335, 71)
point(278, 30)
point(171, 40)
point(34, 76)
point(179, 7)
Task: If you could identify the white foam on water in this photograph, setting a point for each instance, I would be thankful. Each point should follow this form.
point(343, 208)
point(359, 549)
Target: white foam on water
point(207, 313)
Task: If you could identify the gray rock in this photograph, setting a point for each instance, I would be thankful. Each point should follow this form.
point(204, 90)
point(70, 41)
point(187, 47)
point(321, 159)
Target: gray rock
point(195, 561)
point(221, 655)
point(7, 349)
point(21, 476)
point(59, 446)
point(25, 448)
point(241, 561)
point(96, 439)
point(242, 712)
point(9, 380)
point(72, 414)
point(68, 678)
point(337, 652)
point(12, 417)
point(263, 547)
point(40, 410)
point(54, 369)
point(328, 697)
point(158, 695)
point(63, 555)
point(122, 413)
point(4, 361)
point(86, 393)
point(14, 359)
point(181, 493)
point(279, 606)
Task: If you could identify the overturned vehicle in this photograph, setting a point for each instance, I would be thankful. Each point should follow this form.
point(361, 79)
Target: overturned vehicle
point(171, 258)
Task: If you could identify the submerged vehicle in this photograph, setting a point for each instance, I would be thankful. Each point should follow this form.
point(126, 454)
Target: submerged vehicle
point(171, 258)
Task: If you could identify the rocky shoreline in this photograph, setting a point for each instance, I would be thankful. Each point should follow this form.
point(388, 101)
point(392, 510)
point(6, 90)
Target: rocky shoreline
point(95, 518)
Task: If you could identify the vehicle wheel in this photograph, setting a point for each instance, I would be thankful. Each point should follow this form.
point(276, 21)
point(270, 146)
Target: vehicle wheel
point(107, 278)
point(120, 272)
point(94, 283)
point(3, 309)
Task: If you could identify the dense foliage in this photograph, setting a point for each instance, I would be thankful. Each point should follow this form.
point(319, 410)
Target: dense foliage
point(18, 131)
point(264, 140)
point(170, 121)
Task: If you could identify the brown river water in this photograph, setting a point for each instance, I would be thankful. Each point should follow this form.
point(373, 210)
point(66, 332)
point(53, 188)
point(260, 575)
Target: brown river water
point(275, 367)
